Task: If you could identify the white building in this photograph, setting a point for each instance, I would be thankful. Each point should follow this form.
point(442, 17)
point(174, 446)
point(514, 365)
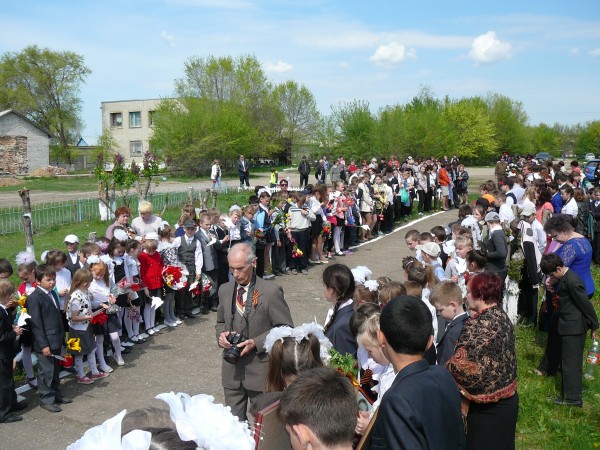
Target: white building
point(24, 146)
point(130, 122)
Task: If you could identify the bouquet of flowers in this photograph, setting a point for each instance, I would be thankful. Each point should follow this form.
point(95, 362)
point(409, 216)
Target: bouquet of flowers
point(259, 234)
point(345, 364)
point(326, 229)
point(207, 285)
point(296, 252)
point(173, 277)
point(74, 344)
point(512, 170)
point(124, 287)
point(99, 319)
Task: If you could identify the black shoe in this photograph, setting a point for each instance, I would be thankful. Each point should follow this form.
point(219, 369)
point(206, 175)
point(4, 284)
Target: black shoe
point(53, 407)
point(575, 403)
point(125, 350)
point(18, 406)
point(205, 311)
point(181, 316)
point(11, 418)
point(63, 400)
point(191, 316)
point(214, 308)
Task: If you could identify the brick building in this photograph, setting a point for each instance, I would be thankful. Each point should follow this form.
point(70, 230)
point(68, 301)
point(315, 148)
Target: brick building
point(24, 146)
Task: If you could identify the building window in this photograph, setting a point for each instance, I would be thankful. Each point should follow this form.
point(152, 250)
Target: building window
point(116, 120)
point(135, 119)
point(135, 148)
point(151, 118)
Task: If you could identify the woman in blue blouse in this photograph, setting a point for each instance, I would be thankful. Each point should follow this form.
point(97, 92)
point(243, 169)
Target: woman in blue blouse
point(576, 252)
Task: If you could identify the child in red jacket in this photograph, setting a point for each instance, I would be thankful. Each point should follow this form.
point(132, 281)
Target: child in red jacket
point(151, 267)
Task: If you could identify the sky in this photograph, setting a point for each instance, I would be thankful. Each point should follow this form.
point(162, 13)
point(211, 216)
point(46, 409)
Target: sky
point(545, 54)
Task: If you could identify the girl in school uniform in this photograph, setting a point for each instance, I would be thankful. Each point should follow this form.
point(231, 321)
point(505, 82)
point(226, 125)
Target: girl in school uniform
point(151, 266)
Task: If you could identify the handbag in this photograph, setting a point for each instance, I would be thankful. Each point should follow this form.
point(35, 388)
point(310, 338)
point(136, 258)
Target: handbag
point(404, 197)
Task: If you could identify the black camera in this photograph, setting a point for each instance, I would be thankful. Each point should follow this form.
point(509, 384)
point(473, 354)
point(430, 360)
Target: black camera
point(232, 354)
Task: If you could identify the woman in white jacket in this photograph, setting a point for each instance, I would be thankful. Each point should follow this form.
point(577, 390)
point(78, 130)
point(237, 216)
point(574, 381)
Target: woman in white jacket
point(215, 174)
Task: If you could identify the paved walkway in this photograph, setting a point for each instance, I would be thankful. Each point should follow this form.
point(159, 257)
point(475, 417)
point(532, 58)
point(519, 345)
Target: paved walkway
point(187, 359)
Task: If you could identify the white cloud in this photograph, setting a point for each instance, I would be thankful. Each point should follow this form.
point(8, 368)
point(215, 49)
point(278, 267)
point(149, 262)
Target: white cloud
point(574, 51)
point(168, 38)
point(391, 54)
point(279, 67)
point(595, 53)
point(487, 48)
point(344, 65)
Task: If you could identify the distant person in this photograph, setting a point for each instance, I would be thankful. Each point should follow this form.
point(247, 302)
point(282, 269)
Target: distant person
point(422, 409)
point(243, 172)
point(304, 169)
point(215, 175)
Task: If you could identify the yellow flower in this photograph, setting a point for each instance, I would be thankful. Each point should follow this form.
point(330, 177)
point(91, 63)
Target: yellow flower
point(22, 300)
point(23, 311)
point(73, 344)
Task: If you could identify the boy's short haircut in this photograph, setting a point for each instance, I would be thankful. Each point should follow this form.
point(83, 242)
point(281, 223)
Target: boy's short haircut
point(391, 290)
point(425, 237)
point(6, 267)
point(90, 248)
point(455, 228)
point(484, 202)
point(205, 217)
point(510, 182)
point(413, 235)
point(445, 292)
point(253, 200)
point(44, 270)
point(418, 274)
point(323, 400)
point(150, 417)
point(550, 263)
point(464, 211)
point(7, 288)
point(406, 324)
point(439, 233)
point(500, 195)
point(463, 240)
point(413, 289)
point(597, 190)
point(464, 231)
point(362, 313)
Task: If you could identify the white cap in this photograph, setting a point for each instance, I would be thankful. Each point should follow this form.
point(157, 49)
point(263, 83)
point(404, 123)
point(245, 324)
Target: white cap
point(152, 236)
point(431, 248)
point(72, 239)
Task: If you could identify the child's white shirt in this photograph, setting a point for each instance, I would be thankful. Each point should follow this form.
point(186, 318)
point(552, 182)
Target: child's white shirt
point(425, 297)
point(63, 281)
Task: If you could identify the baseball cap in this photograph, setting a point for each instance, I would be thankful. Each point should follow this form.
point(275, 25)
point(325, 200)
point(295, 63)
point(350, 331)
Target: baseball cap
point(72, 239)
point(189, 224)
point(528, 210)
point(492, 217)
point(431, 248)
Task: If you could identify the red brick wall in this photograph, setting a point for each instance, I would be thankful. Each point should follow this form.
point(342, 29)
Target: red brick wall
point(13, 154)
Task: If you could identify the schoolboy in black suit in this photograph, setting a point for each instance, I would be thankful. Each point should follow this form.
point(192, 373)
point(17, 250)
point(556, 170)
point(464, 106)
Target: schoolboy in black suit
point(8, 339)
point(447, 299)
point(576, 315)
point(422, 408)
point(48, 337)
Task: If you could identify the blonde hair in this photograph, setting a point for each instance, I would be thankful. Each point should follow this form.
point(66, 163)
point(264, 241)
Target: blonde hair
point(145, 207)
point(463, 241)
point(81, 278)
point(7, 289)
point(389, 291)
point(445, 292)
point(367, 333)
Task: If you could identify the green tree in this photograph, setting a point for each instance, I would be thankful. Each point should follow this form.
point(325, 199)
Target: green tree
point(545, 139)
point(389, 132)
point(355, 124)
point(589, 139)
point(472, 129)
point(510, 121)
point(44, 85)
point(299, 113)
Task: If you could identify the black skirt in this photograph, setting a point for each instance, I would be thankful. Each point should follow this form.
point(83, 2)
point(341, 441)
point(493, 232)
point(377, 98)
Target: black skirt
point(316, 227)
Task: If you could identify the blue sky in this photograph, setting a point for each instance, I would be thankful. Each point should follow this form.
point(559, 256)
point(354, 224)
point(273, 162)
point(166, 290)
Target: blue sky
point(545, 54)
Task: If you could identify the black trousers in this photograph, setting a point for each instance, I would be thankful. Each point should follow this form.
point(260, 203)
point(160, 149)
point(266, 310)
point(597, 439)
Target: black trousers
point(184, 299)
point(48, 379)
point(571, 360)
point(302, 238)
point(8, 396)
point(421, 195)
point(207, 301)
point(303, 180)
point(492, 426)
point(244, 179)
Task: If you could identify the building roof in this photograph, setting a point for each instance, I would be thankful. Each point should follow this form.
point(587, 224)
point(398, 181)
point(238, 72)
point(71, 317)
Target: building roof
point(25, 118)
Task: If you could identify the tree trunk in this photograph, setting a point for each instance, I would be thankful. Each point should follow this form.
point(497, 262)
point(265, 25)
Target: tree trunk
point(27, 224)
point(214, 198)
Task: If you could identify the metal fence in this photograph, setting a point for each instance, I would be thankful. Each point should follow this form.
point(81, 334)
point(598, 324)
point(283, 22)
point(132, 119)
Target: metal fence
point(46, 215)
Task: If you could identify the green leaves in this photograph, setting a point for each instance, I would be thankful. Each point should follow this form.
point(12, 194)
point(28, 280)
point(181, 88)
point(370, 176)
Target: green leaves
point(44, 85)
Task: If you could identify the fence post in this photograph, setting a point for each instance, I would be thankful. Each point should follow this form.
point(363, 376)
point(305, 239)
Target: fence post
point(79, 211)
point(27, 225)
